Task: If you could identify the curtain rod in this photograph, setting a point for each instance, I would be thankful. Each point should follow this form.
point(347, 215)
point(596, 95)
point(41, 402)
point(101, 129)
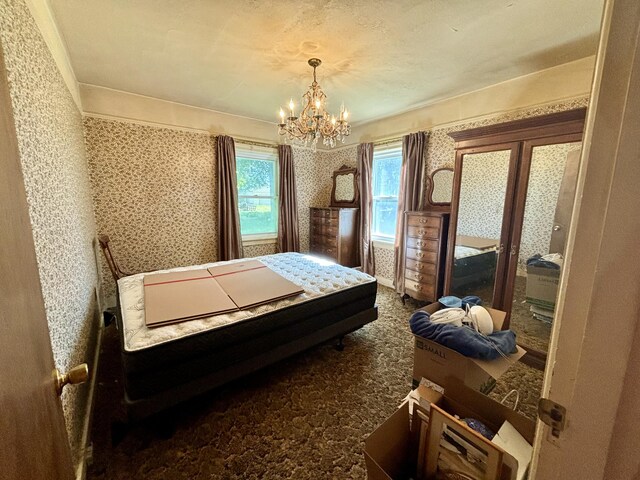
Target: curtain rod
point(257, 144)
point(392, 140)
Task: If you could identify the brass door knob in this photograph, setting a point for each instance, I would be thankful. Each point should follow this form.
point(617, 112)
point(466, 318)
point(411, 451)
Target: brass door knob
point(75, 376)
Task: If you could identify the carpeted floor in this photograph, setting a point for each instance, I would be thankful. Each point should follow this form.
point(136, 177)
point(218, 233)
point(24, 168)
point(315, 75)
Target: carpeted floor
point(304, 418)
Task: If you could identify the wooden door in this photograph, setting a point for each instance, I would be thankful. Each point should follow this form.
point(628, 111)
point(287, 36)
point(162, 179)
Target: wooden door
point(562, 217)
point(33, 439)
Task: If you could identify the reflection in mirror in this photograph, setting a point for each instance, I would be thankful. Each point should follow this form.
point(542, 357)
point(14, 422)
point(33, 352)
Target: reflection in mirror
point(550, 195)
point(483, 188)
point(441, 185)
point(345, 191)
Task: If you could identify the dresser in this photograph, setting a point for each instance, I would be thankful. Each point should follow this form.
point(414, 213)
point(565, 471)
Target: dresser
point(333, 233)
point(425, 252)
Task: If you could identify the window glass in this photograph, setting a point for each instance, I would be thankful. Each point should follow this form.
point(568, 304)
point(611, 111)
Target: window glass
point(387, 162)
point(256, 172)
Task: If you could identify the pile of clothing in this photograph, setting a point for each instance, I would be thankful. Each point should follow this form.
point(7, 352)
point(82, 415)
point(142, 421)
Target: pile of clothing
point(550, 260)
point(466, 327)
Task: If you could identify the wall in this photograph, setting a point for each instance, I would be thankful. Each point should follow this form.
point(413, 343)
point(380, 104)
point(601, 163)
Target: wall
point(153, 195)
point(559, 84)
point(482, 194)
point(52, 153)
point(545, 178)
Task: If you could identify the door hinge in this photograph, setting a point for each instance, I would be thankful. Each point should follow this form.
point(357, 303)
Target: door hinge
point(553, 414)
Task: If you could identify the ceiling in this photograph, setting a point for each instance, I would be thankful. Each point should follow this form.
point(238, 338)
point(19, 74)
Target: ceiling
point(248, 57)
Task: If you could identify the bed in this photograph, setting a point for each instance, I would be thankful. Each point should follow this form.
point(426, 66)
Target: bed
point(166, 365)
point(475, 261)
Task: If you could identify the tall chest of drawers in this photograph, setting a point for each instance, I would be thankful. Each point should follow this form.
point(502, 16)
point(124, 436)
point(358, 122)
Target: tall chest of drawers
point(333, 233)
point(425, 245)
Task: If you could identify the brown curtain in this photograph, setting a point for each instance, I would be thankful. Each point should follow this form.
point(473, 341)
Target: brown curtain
point(365, 166)
point(410, 195)
point(229, 236)
point(288, 235)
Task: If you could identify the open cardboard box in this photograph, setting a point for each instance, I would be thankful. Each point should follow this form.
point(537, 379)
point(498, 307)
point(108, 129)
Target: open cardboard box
point(439, 363)
point(391, 451)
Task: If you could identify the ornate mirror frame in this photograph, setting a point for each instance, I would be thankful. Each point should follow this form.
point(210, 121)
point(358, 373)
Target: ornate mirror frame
point(345, 170)
point(431, 187)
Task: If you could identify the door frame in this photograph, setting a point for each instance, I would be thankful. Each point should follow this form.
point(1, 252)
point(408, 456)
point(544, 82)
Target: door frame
point(592, 373)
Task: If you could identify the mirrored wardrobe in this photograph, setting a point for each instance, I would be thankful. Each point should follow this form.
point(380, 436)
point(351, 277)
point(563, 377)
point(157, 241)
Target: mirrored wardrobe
point(514, 186)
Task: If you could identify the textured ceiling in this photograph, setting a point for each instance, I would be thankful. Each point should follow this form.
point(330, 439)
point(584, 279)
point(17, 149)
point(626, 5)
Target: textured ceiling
point(381, 57)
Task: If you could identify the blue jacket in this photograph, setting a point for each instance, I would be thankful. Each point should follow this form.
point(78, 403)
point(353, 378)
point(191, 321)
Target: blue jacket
point(464, 339)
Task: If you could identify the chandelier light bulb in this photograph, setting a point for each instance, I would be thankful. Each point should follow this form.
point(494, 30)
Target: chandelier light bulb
point(281, 115)
point(291, 105)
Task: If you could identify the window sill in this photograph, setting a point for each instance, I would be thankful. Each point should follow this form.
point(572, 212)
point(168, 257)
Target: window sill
point(250, 240)
point(386, 243)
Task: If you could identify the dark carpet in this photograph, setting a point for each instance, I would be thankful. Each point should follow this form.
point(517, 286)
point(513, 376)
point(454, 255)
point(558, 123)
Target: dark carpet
point(304, 418)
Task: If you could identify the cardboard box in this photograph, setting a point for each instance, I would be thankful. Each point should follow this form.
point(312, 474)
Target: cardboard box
point(440, 364)
point(542, 286)
point(391, 451)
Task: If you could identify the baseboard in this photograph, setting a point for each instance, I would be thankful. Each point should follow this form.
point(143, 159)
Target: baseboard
point(385, 281)
point(81, 468)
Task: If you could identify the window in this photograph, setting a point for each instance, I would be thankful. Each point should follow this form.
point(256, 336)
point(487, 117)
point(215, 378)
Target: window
point(387, 162)
point(256, 172)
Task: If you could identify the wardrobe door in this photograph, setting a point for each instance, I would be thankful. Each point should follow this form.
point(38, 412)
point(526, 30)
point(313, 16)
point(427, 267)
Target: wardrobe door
point(544, 200)
point(484, 184)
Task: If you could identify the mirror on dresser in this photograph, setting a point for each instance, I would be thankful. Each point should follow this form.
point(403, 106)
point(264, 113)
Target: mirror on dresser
point(514, 186)
point(425, 241)
point(333, 230)
point(440, 187)
point(345, 192)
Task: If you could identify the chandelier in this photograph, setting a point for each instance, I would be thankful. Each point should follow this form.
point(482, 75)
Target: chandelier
point(314, 121)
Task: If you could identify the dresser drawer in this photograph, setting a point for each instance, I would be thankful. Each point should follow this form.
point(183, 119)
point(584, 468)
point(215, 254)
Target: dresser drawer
point(324, 222)
point(420, 277)
point(423, 221)
point(422, 244)
point(329, 229)
point(423, 232)
point(324, 240)
point(416, 254)
point(323, 213)
point(420, 291)
point(420, 267)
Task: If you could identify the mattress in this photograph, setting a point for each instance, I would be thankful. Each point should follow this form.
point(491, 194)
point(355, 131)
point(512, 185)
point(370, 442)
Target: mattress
point(464, 252)
point(317, 276)
point(160, 358)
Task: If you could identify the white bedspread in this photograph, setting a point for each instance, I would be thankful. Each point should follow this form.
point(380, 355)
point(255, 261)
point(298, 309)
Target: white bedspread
point(462, 252)
point(317, 276)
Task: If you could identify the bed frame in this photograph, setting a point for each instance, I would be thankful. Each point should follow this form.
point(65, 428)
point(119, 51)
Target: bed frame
point(473, 270)
point(153, 392)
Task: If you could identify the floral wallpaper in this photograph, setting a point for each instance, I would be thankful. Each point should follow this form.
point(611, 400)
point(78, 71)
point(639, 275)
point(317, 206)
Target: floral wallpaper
point(154, 195)
point(482, 194)
point(545, 177)
point(52, 153)
point(314, 170)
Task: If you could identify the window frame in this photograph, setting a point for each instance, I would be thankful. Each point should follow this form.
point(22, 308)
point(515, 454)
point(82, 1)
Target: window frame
point(387, 150)
point(259, 153)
